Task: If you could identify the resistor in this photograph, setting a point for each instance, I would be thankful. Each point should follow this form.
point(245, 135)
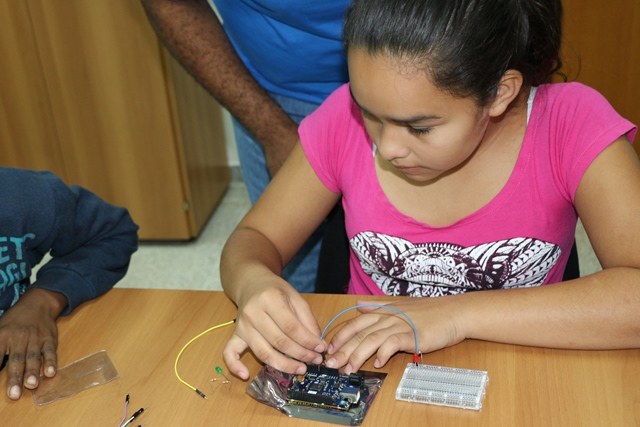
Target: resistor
point(219, 371)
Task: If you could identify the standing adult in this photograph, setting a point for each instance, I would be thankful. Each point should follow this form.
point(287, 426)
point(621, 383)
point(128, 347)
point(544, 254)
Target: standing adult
point(270, 63)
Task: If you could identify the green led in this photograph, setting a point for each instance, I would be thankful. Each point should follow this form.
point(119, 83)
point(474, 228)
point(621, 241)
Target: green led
point(219, 372)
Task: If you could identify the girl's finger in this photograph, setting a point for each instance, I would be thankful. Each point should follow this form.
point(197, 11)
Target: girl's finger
point(350, 329)
point(232, 352)
point(300, 326)
point(266, 353)
point(267, 339)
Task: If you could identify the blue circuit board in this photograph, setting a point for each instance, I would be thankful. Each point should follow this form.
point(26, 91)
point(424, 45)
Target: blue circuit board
point(326, 387)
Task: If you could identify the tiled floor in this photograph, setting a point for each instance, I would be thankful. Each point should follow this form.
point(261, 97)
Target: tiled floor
point(195, 265)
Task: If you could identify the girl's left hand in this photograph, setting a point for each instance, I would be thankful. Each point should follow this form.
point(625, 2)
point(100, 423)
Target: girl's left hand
point(384, 332)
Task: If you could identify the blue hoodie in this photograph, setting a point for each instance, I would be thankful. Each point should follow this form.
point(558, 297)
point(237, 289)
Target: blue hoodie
point(89, 240)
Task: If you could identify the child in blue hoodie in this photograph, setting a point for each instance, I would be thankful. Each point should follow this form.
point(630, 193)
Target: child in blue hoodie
point(90, 243)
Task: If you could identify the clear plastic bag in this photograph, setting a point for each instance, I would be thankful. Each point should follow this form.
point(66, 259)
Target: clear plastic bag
point(90, 371)
point(270, 387)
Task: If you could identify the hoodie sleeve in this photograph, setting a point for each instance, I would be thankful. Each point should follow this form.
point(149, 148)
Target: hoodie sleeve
point(90, 242)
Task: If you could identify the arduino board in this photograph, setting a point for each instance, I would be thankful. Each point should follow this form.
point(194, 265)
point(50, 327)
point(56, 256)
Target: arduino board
point(327, 388)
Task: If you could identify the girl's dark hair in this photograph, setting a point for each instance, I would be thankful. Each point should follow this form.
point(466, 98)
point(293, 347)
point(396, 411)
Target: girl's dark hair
point(464, 45)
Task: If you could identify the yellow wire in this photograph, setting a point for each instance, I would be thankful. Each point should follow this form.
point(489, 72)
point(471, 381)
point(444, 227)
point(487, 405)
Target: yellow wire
point(175, 365)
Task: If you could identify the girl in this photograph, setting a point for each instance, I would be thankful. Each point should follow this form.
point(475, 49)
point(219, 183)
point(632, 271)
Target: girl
point(460, 170)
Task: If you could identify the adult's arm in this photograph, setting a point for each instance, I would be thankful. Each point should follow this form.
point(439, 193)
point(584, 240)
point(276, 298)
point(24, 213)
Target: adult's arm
point(192, 32)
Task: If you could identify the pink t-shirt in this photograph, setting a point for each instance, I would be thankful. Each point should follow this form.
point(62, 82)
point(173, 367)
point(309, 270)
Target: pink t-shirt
point(521, 238)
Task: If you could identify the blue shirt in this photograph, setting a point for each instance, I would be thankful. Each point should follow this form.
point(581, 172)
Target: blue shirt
point(291, 47)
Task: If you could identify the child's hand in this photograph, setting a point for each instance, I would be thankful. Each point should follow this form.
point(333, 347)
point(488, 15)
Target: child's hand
point(276, 323)
point(29, 336)
point(383, 332)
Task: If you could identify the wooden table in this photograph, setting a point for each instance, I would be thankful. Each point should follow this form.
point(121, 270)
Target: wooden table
point(143, 330)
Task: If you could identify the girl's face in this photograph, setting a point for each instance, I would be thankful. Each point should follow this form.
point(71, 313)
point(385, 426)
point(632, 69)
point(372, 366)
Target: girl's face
point(421, 131)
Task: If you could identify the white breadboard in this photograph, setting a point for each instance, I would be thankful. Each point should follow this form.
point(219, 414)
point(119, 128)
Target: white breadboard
point(441, 385)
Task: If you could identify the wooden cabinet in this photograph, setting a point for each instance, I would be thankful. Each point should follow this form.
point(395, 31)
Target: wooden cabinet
point(88, 92)
point(601, 48)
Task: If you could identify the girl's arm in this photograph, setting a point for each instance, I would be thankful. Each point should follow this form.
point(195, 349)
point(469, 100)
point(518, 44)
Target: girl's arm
point(599, 311)
point(273, 319)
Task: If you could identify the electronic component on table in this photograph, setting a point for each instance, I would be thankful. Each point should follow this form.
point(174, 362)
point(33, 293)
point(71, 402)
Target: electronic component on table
point(441, 385)
point(326, 387)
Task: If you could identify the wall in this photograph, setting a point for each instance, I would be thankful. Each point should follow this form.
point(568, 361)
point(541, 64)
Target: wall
point(601, 48)
point(230, 141)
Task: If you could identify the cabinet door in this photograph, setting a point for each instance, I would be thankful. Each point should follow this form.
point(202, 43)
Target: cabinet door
point(200, 133)
point(107, 86)
point(601, 48)
point(28, 136)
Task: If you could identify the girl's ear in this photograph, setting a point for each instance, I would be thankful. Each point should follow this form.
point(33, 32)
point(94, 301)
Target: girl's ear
point(508, 90)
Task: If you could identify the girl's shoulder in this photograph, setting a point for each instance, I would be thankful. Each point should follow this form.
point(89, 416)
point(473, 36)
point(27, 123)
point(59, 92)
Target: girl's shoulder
point(571, 94)
point(337, 102)
point(574, 106)
point(336, 118)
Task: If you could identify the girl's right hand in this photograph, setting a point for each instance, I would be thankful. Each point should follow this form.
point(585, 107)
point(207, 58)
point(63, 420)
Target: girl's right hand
point(276, 323)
